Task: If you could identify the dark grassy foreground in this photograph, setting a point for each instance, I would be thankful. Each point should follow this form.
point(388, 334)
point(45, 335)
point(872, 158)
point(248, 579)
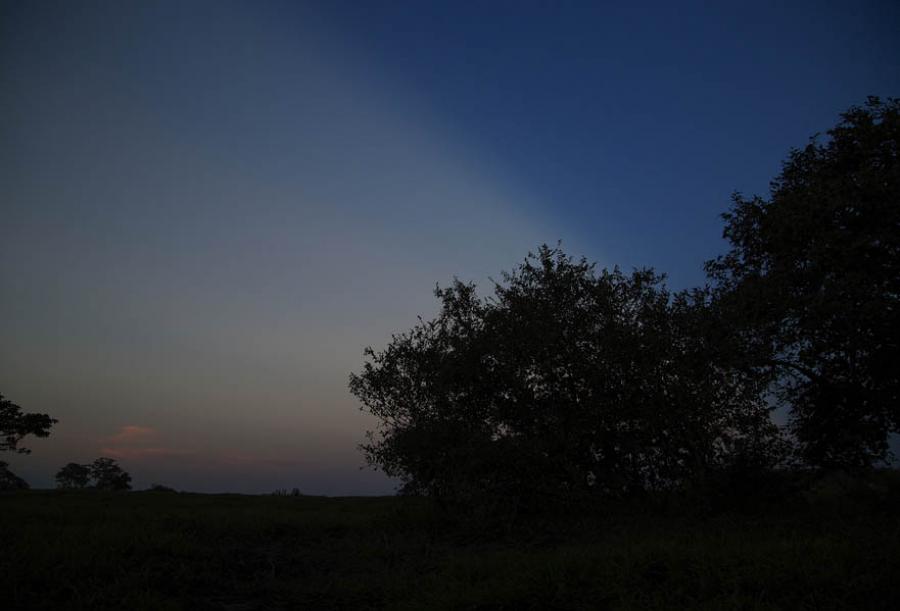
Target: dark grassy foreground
point(145, 550)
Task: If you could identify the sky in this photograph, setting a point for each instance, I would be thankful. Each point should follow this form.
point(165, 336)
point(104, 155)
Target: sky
point(209, 209)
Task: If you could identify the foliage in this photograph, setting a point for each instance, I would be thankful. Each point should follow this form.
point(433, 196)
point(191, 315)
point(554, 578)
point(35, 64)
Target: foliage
point(73, 475)
point(15, 425)
point(811, 287)
point(108, 475)
point(9, 480)
point(566, 383)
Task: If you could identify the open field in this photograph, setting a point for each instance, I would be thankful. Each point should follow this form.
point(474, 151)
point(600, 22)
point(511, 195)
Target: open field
point(147, 550)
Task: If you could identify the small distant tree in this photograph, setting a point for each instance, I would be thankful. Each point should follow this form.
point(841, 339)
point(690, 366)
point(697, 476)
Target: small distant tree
point(15, 425)
point(108, 475)
point(73, 475)
point(9, 480)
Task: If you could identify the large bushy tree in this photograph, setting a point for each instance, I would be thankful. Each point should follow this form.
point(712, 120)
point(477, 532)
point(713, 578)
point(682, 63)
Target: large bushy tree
point(811, 287)
point(566, 382)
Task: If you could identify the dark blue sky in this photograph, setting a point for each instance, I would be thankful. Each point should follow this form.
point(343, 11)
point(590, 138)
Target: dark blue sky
point(635, 121)
point(210, 208)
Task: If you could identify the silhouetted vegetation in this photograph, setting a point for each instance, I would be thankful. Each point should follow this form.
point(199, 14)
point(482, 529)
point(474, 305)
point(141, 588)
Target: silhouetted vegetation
point(286, 492)
point(16, 425)
point(73, 475)
point(9, 480)
point(106, 474)
point(569, 384)
point(811, 288)
point(566, 384)
point(102, 474)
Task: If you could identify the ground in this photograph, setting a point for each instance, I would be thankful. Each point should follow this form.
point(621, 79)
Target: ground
point(164, 550)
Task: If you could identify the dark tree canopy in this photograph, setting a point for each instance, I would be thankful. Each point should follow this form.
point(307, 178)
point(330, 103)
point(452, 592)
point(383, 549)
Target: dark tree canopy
point(108, 475)
point(73, 475)
point(566, 382)
point(16, 425)
point(811, 287)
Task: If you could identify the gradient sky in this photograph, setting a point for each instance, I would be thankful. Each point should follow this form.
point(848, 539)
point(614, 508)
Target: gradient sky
point(210, 208)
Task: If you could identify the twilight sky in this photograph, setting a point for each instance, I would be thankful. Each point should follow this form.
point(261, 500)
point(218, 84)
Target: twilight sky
point(208, 209)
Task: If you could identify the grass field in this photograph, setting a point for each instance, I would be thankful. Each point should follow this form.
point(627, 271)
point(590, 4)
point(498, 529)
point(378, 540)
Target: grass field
point(148, 550)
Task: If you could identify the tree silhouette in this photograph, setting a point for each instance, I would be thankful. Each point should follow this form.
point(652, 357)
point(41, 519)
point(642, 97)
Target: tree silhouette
point(73, 475)
point(567, 382)
point(15, 425)
point(9, 480)
point(108, 475)
point(811, 287)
